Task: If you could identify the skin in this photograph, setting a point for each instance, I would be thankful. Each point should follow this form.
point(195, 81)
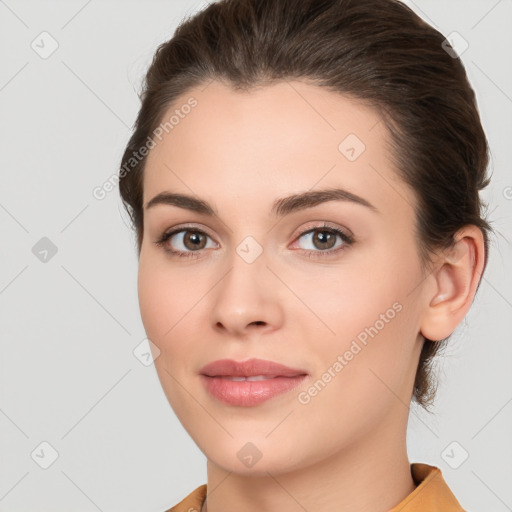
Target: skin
point(345, 450)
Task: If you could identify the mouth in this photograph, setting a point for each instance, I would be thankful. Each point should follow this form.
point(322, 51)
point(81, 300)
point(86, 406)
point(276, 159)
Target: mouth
point(249, 383)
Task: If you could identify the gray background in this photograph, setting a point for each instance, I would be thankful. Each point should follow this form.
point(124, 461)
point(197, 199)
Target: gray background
point(69, 326)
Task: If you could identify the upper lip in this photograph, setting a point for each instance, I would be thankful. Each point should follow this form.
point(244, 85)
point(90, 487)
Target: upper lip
point(248, 368)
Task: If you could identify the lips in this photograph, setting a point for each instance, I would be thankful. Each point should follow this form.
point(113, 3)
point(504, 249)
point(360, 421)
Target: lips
point(250, 368)
point(249, 383)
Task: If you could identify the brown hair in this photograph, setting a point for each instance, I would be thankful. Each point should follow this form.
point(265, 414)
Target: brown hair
point(378, 51)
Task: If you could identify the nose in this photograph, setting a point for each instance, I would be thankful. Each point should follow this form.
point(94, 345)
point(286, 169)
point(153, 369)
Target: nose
point(248, 299)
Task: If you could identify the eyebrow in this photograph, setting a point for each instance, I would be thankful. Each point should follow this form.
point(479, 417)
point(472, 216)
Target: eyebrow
point(281, 207)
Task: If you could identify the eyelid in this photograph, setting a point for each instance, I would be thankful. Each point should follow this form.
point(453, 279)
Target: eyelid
point(188, 227)
point(318, 225)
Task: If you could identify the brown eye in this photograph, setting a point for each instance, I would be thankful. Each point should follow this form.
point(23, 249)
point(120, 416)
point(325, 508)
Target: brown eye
point(194, 240)
point(184, 242)
point(323, 241)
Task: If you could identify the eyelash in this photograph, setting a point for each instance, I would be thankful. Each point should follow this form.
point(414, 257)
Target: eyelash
point(348, 240)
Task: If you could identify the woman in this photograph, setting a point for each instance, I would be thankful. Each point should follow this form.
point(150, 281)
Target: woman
point(303, 180)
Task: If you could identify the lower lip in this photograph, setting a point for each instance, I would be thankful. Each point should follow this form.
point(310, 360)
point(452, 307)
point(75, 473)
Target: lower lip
point(248, 393)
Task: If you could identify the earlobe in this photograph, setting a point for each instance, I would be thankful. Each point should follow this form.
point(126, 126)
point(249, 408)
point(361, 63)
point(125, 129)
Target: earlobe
point(455, 280)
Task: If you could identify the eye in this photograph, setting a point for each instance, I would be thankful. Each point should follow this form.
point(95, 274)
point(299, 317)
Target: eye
point(190, 242)
point(323, 238)
point(187, 240)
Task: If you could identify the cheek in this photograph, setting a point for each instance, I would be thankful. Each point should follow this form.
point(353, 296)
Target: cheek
point(154, 303)
point(165, 295)
point(169, 301)
point(349, 300)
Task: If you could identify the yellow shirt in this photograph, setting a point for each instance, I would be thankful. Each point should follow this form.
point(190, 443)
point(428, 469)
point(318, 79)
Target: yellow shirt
point(432, 494)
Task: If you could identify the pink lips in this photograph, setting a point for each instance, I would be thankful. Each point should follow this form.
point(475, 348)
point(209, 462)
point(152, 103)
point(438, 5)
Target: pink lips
point(273, 379)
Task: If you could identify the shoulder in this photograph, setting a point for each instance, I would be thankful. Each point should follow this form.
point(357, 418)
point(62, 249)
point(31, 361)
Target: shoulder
point(192, 502)
point(432, 492)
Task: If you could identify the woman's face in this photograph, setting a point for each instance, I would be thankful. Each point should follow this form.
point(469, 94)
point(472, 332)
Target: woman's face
point(268, 277)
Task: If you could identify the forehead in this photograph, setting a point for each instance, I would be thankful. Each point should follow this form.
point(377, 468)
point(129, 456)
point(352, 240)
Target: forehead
point(270, 141)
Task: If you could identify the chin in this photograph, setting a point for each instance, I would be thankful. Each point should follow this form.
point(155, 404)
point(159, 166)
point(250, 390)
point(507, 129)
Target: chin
point(251, 455)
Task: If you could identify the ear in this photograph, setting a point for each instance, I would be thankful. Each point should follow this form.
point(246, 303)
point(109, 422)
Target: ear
point(454, 283)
